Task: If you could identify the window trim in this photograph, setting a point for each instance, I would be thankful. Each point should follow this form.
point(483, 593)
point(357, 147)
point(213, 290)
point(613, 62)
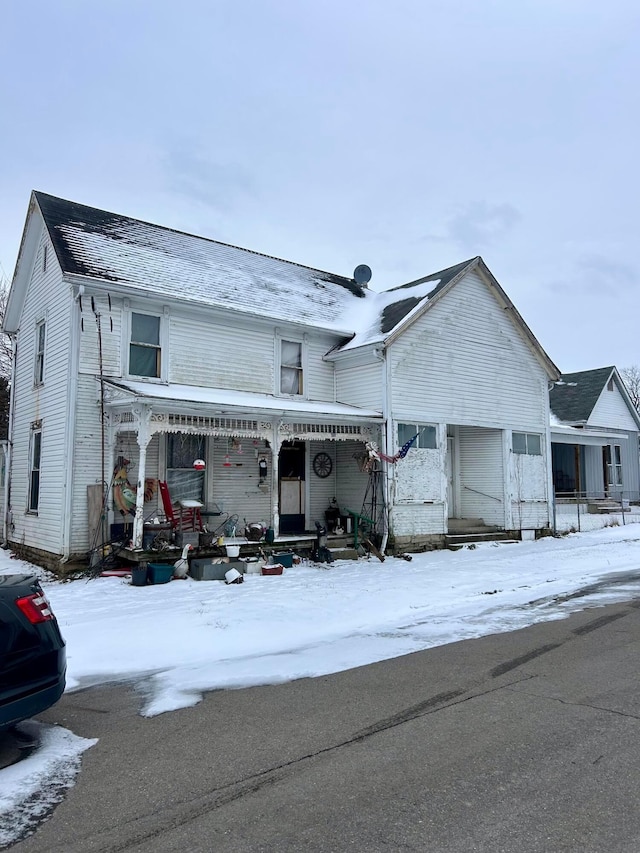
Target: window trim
point(302, 370)
point(161, 348)
point(33, 495)
point(527, 440)
point(614, 467)
point(40, 348)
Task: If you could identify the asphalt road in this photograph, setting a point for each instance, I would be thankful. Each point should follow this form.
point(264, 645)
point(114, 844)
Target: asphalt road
point(526, 741)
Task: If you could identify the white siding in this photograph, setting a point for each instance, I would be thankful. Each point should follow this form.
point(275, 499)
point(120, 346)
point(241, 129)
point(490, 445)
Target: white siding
point(611, 411)
point(465, 362)
point(235, 489)
point(351, 481)
point(321, 489)
point(482, 486)
point(419, 476)
point(416, 520)
point(110, 334)
point(360, 386)
point(207, 353)
point(320, 379)
point(49, 299)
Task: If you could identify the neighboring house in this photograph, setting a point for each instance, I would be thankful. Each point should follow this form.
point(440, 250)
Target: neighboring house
point(140, 348)
point(594, 434)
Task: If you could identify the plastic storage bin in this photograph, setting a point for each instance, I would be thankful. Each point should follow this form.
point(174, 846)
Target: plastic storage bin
point(273, 569)
point(159, 573)
point(285, 559)
point(207, 570)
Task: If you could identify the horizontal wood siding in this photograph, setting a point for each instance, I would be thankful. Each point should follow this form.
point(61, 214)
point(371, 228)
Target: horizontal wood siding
point(593, 470)
point(612, 412)
point(419, 476)
point(235, 489)
point(481, 475)
point(320, 379)
point(465, 362)
point(48, 299)
point(208, 353)
point(110, 320)
point(351, 482)
point(321, 489)
point(360, 386)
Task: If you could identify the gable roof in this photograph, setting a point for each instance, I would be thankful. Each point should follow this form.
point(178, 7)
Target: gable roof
point(385, 317)
point(574, 399)
point(159, 261)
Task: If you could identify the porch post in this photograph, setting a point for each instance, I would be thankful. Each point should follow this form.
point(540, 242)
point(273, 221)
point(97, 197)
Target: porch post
point(143, 421)
point(275, 459)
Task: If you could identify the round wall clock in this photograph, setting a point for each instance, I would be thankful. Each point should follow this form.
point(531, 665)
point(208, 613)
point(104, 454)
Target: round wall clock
point(322, 464)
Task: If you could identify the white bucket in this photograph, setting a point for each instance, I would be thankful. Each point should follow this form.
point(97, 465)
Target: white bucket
point(233, 550)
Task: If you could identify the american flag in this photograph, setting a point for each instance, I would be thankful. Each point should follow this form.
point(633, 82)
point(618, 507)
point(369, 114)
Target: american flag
point(405, 447)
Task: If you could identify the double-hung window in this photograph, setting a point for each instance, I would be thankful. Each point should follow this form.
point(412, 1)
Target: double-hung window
point(35, 454)
point(613, 458)
point(145, 352)
point(291, 367)
point(39, 360)
point(527, 443)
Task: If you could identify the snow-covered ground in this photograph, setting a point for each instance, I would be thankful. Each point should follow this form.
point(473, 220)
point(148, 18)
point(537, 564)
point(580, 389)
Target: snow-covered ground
point(180, 639)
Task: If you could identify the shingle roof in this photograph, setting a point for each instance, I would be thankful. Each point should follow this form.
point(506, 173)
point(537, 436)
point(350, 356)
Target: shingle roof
point(574, 400)
point(395, 312)
point(106, 246)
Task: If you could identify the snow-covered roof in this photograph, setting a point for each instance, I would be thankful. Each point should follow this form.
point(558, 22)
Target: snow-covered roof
point(224, 399)
point(381, 313)
point(171, 264)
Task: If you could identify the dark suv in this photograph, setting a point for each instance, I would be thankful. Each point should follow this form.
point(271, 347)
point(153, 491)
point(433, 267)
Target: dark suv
point(32, 652)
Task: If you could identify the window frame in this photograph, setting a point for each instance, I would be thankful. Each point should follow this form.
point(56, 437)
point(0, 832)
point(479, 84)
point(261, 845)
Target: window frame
point(528, 436)
point(39, 357)
point(422, 442)
point(193, 475)
point(35, 470)
point(614, 465)
point(300, 369)
point(159, 348)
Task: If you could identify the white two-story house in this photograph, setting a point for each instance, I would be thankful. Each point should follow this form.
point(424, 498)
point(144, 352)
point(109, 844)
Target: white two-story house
point(143, 349)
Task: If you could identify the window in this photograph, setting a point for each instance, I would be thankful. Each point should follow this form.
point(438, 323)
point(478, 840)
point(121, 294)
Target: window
point(614, 464)
point(144, 350)
point(44, 259)
point(290, 367)
point(39, 364)
point(35, 452)
point(426, 436)
point(527, 443)
point(184, 482)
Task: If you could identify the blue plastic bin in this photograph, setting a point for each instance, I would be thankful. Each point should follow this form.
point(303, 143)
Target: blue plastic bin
point(159, 573)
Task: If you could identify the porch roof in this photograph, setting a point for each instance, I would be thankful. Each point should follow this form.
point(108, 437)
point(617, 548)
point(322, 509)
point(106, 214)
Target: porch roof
point(222, 401)
point(573, 435)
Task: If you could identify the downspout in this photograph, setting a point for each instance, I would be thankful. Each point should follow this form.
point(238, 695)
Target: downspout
point(386, 412)
point(9, 459)
point(72, 399)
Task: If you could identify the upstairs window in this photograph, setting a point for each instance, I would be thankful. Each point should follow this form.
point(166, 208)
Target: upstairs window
point(144, 349)
point(527, 443)
point(426, 436)
point(39, 362)
point(35, 452)
point(290, 367)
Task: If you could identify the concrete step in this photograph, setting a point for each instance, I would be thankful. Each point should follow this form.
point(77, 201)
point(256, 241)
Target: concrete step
point(459, 540)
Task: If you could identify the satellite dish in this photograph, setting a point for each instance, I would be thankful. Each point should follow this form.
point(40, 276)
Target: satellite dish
point(362, 274)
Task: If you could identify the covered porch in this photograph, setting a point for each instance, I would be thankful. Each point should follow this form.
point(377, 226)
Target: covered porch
point(266, 460)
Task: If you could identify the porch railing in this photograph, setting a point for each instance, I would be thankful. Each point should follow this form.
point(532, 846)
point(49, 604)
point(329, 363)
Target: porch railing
point(581, 510)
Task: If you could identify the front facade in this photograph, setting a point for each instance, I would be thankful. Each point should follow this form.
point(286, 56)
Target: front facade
point(595, 437)
point(140, 350)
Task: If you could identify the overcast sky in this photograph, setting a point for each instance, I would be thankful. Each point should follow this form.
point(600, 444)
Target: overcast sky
point(407, 135)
